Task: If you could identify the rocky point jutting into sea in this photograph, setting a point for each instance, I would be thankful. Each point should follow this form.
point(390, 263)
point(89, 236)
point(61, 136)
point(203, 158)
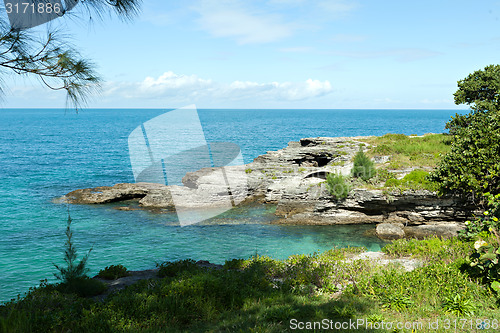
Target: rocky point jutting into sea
point(293, 178)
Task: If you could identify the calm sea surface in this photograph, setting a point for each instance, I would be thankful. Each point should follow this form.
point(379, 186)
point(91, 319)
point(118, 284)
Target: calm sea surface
point(49, 152)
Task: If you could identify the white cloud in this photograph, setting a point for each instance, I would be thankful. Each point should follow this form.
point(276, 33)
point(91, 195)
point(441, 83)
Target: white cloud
point(191, 88)
point(246, 26)
point(338, 7)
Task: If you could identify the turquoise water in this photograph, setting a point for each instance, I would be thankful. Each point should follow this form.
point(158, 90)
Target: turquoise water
point(47, 153)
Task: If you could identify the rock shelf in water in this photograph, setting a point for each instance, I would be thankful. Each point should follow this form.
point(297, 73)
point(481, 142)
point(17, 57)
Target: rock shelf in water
point(293, 178)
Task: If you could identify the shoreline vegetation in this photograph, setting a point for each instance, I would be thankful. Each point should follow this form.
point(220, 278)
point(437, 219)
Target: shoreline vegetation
point(417, 281)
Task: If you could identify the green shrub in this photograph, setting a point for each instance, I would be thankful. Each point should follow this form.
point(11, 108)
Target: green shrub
point(113, 272)
point(384, 175)
point(485, 262)
point(337, 186)
point(363, 168)
point(171, 269)
point(82, 286)
point(235, 264)
point(392, 182)
point(490, 220)
point(458, 305)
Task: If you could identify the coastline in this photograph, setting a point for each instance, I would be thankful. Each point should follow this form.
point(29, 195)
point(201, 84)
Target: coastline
point(293, 178)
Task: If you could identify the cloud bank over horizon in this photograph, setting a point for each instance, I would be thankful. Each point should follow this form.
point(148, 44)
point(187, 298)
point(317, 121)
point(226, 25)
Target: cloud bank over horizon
point(193, 89)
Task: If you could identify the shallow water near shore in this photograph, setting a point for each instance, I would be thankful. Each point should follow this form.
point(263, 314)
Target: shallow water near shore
point(47, 153)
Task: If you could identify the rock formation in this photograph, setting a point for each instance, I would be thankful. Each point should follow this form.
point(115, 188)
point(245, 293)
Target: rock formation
point(293, 178)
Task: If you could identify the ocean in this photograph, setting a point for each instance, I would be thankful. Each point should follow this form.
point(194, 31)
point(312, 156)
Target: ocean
point(46, 153)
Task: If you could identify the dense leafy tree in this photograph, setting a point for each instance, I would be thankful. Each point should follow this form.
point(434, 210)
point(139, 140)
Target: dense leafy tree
point(472, 168)
point(51, 58)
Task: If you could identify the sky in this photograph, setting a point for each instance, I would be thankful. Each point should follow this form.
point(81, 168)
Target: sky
point(317, 54)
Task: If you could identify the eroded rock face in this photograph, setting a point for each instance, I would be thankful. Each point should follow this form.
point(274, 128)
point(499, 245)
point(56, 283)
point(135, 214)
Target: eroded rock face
point(371, 206)
point(107, 194)
point(294, 179)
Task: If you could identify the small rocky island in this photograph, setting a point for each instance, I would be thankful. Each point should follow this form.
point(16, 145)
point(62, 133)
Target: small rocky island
point(294, 178)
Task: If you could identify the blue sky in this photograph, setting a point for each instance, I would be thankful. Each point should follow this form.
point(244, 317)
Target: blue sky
point(282, 54)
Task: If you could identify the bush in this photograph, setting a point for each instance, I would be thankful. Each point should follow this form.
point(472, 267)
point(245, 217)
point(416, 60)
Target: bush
point(171, 269)
point(82, 286)
point(481, 227)
point(471, 168)
point(113, 272)
point(484, 263)
point(337, 186)
point(363, 168)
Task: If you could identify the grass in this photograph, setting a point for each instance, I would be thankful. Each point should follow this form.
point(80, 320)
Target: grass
point(406, 151)
point(261, 294)
point(415, 180)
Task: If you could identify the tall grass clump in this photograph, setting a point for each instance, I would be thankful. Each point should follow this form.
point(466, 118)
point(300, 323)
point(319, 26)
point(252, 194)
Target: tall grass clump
point(337, 185)
point(363, 168)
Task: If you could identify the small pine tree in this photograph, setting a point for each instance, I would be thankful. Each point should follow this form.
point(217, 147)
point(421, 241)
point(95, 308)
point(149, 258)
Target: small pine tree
point(337, 186)
point(363, 167)
point(73, 270)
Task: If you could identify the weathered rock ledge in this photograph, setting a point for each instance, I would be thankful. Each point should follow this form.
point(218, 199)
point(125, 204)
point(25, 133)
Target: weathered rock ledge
point(293, 178)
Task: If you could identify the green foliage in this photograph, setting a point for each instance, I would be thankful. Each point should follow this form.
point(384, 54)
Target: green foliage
point(171, 269)
point(480, 227)
point(415, 180)
point(73, 270)
point(410, 151)
point(363, 167)
point(422, 291)
point(471, 168)
point(459, 306)
point(82, 286)
point(248, 170)
point(430, 249)
point(235, 264)
point(480, 90)
point(383, 175)
point(484, 262)
point(261, 294)
point(53, 59)
point(337, 186)
point(397, 302)
point(113, 272)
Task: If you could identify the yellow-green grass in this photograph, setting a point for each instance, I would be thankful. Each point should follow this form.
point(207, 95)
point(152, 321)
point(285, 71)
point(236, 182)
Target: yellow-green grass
point(410, 151)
